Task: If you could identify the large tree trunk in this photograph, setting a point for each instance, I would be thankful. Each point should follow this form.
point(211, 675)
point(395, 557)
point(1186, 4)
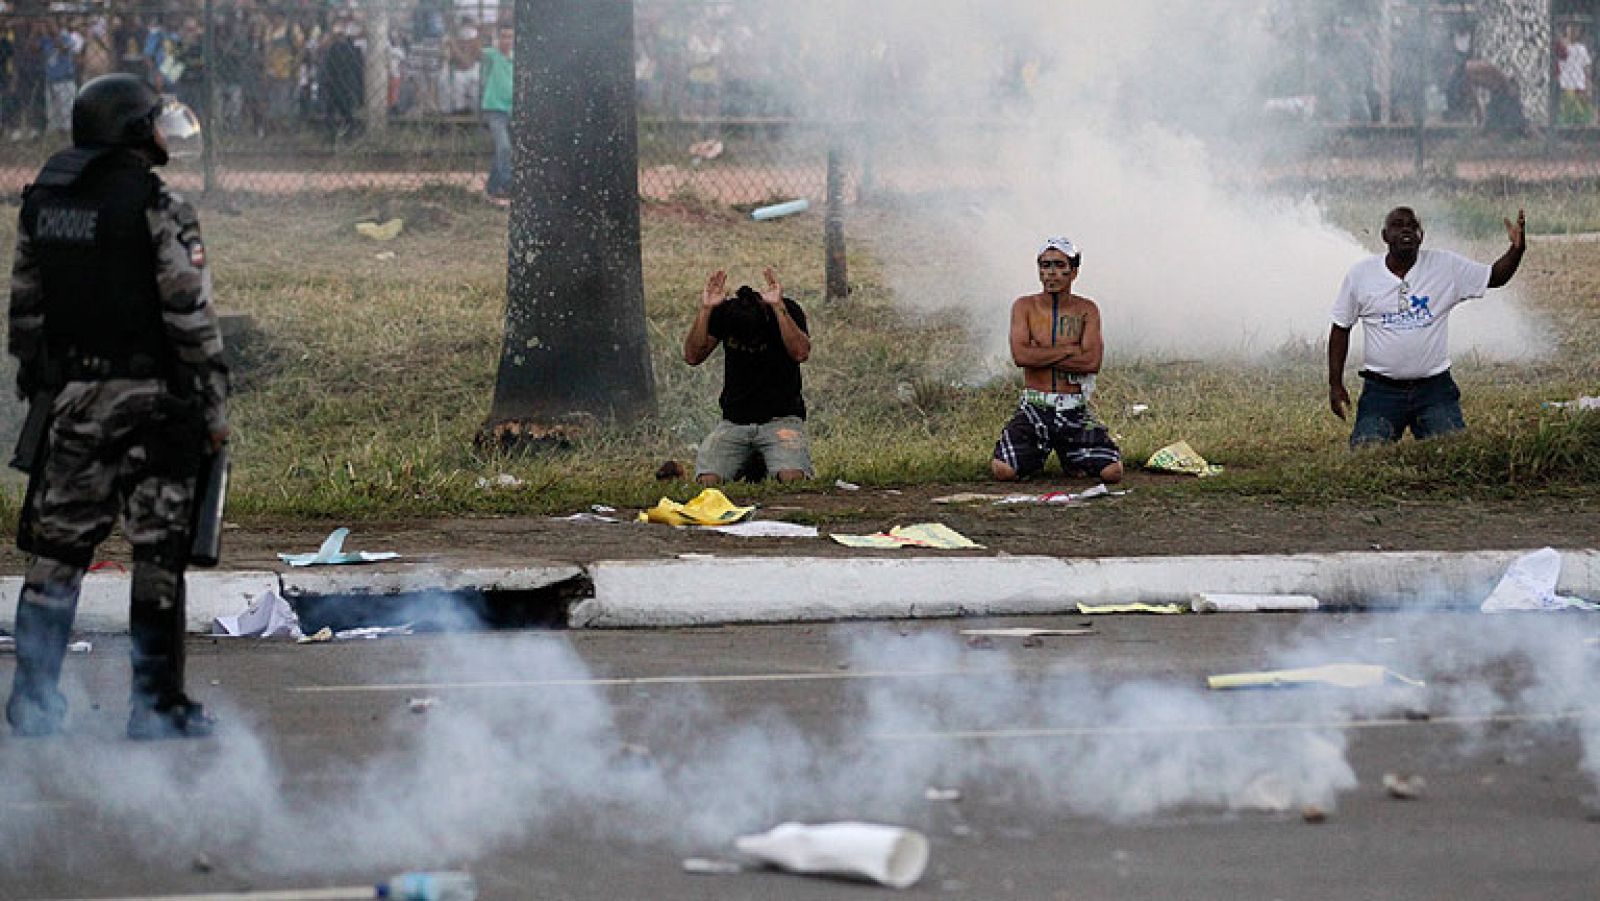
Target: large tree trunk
point(575, 346)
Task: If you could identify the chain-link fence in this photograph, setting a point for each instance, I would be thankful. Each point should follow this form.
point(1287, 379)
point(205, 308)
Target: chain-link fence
point(305, 96)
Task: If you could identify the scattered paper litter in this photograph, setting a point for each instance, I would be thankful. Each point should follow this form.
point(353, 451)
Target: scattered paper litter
point(708, 508)
point(1024, 632)
point(767, 528)
point(370, 632)
point(934, 793)
point(420, 705)
point(1060, 497)
point(1138, 409)
point(1090, 609)
point(386, 231)
point(1529, 583)
point(79, 647)
point(1340, 675)
point(321, 635)
point(969, 497)
point(1181, 458)
point(1215, 602)
point(925, 534)
point(1583, 403)
point(503, 480)
point(1404, 788)
point(585, 516)
point(268, 615)
point(332, 553)
point(842, 485)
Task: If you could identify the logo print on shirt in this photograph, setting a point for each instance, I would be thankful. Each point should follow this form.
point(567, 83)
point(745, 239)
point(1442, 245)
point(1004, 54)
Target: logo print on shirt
point(1416, 315)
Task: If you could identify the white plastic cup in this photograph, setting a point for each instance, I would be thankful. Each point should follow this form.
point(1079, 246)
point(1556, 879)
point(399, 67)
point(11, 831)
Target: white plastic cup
point(887, 855)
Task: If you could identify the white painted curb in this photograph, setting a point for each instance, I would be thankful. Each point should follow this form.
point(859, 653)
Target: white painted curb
point(634, 594)
point(103, 604)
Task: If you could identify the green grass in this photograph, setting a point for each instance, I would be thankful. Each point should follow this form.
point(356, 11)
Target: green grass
point(366, 378)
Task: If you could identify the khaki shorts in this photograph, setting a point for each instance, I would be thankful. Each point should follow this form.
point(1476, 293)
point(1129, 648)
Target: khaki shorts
point(734, 451)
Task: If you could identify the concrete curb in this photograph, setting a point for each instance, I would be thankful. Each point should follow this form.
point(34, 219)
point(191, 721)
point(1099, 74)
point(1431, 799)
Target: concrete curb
point(750, 590)
point(691, 592)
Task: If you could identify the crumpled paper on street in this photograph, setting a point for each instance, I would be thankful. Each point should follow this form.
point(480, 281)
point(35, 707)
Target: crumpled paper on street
point(1181, 458)
point(332, 553)
point(1339, 675)
point(708, 508)
point(923, 534)
point(268, 616)
point(1088, 609)
point(1529, 583)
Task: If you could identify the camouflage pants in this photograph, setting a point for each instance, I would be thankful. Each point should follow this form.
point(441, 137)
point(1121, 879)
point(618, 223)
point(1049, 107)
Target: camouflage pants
point(116, 449)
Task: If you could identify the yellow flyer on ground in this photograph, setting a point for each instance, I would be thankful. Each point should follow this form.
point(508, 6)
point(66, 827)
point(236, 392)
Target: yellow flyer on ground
point(924, 534)
point(1181, 458)
point(709, 508)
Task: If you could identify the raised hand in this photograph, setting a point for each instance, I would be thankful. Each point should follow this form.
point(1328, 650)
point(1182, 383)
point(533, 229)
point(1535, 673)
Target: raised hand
point(1518, 231)
point(773, 292)
point(713, 293)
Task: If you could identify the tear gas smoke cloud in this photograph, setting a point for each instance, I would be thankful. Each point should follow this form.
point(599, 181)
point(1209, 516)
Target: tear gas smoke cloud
point(1140, 137)
point(493, 765)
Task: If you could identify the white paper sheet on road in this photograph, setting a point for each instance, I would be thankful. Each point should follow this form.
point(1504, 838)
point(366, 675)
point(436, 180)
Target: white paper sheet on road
point(268, 616)
point(1217, 602)
point(766, 528)
point(1339, 675)
point(1529, 584)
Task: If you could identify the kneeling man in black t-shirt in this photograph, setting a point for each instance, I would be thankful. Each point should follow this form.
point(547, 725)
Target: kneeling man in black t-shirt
point(763, 427)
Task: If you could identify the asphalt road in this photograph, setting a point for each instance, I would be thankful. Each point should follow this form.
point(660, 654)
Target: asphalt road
point(590, 765)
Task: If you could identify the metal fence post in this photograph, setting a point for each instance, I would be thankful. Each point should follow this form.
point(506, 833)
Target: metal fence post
point(377, 67)
point(838, 281)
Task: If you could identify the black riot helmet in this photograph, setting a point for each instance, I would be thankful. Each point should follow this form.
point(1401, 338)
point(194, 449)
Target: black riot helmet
point(118, 110)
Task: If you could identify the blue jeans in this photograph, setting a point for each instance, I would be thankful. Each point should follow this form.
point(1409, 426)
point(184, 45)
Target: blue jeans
point(1429, 407)
point(500, 171)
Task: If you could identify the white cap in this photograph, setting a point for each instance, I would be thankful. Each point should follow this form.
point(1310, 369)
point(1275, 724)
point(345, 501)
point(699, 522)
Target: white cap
point(1061, 244)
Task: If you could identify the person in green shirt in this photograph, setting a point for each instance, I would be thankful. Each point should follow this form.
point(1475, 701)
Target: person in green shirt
point(497, 113)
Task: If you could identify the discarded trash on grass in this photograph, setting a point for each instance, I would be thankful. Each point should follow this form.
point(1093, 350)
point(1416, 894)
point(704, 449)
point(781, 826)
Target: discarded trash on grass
point(888, 855)
point(1405, 788)
point(1179, 457)
point(503, 480)
point(767, 528)
point(923, 534)
point(1165, 609)
point(1582, 403)
point(1339, 675)
point(332, 553)
point(386, 231)
point(779, 210)
point(842, 485)
point(267, 616)
point(585, 516)
point(1137, 409)
point(1024, 632)
point(321, 635)
point(708, 508)
point(1215, 602)
point(1529, 583)
point(969, 497)
point(1059, 497)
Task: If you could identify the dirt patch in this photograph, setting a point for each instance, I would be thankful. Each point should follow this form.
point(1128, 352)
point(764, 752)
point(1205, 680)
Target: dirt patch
point(1149, 520)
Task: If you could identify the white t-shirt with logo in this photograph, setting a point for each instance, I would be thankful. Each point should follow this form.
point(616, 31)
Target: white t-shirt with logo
point(1404, 320)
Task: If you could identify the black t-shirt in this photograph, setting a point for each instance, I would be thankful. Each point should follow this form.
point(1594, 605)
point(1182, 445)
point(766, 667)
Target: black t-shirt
point(760, 381)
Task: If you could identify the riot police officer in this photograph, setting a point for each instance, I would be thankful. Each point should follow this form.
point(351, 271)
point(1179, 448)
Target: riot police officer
point(113, 327)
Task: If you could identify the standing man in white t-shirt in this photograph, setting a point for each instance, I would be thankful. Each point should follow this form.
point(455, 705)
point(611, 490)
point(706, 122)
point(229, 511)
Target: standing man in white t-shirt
point(1572, 73)
point(1403, 300)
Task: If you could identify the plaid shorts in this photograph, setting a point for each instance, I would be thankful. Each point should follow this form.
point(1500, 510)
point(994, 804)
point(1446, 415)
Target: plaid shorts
point(1081, 443)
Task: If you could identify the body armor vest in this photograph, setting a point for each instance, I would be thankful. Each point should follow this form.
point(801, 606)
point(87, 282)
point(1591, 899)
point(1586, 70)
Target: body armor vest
point(97, 260)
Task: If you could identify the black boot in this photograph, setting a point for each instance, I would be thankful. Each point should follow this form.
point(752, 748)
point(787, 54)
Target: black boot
point(160, 709)
point(37, 707)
